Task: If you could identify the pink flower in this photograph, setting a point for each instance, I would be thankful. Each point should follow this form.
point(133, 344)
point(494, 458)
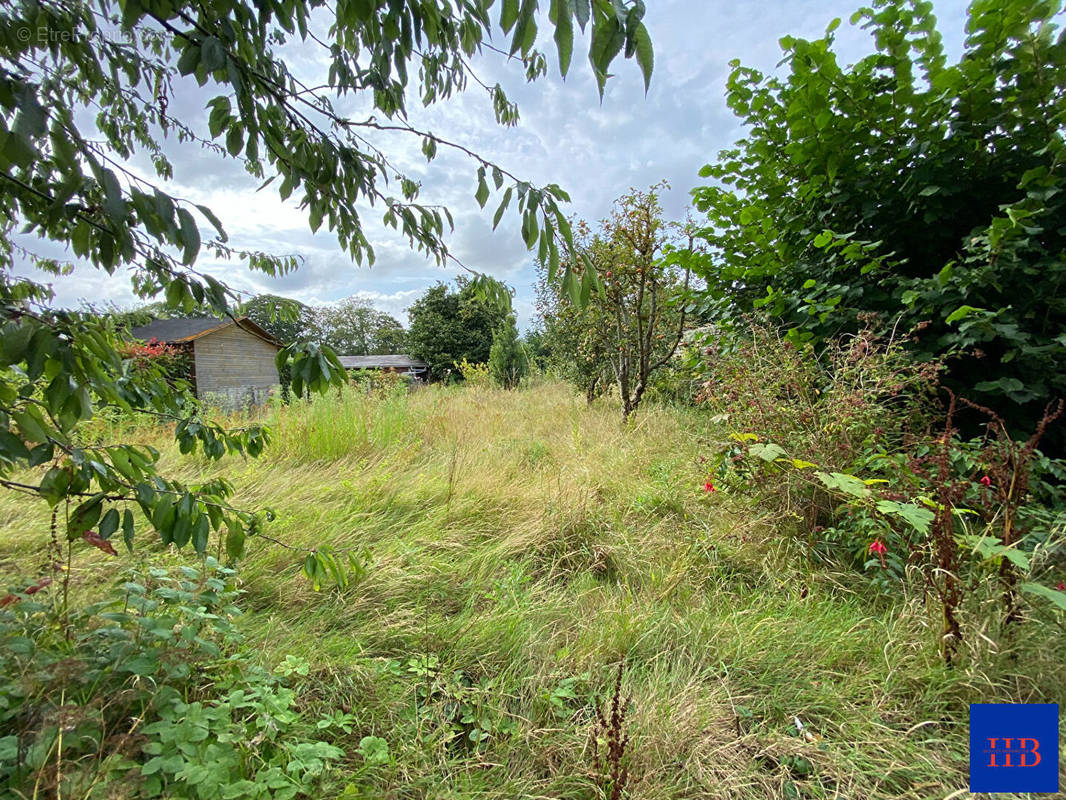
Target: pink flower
point(986, 481)
point(709, 487)
point(878, 547)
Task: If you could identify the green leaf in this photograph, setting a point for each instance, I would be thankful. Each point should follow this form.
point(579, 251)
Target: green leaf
point(214, 54)
point(508, 15)
point(235, 542)
point(31, 424)
point(190, 236)
point(767, 451)
point(32, 121)
point(200, 532)
point(502, 208)
point(84, 517)
point(645, 54)
point(54, 484)
point(109, 523)
point(582, 11)
point(564, 36)
point(848, 484)
point(960, 313)
point(12, 447)
point(918, 517)
point(374, 750)
point(207, 212)
point(189, 60)
point(114, 204)
point(608, 37)
point(1056, 597)
point(127, 529)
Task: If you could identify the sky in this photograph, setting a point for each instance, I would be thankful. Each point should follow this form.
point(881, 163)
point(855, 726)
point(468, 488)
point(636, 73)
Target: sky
point(595, 150)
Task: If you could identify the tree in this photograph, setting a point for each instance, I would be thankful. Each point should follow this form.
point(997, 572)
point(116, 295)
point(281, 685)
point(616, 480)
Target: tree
point(922, 192)
point(86, 96)
point(508, 359)
point(575, 340)
point(354, 327)
point(635, 324)
point(447, 326)
point(285, 319)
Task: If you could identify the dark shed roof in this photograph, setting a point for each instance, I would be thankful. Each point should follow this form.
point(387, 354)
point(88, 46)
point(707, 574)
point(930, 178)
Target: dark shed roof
point(394, 361)
point(185, 330)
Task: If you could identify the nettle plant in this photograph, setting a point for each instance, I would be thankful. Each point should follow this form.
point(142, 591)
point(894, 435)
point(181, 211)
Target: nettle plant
point(86, 97)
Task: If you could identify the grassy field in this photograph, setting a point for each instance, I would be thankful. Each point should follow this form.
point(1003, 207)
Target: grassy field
point(521, 546)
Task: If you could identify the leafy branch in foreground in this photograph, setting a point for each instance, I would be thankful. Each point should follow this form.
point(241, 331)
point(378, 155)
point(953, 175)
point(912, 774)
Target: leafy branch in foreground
point(82, 185)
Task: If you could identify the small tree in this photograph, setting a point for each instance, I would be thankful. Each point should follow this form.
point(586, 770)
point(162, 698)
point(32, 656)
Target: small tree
point(508, 359)
point(635, 324)
point(285, 319)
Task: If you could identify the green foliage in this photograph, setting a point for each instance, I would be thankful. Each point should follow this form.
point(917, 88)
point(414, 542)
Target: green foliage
point(474, 375)
point(447, 327)
point(149, 690)
point(629, 327)
point(68, 178)
point(465, 709)
point(508, 358)
point(909, 188)
point(285, 319)
point(353, 327)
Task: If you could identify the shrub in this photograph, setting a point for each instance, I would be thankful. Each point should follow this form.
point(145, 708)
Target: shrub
point(476, 375)
point(147, 689)
point(845, 447)
point(841, 411)
point(508, 359)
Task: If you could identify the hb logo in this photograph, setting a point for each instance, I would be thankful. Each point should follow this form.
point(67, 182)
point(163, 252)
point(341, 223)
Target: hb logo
point(1014, 747)
point(1013, 753)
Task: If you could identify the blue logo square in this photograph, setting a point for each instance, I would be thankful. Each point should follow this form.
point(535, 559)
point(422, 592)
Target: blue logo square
point(1014, 747)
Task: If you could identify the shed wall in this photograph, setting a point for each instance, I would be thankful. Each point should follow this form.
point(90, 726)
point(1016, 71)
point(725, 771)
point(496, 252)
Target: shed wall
point(234, 364)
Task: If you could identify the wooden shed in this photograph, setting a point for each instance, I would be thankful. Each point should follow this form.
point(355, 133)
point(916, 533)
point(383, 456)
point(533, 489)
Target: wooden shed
point(405, 365)
point(232, 359)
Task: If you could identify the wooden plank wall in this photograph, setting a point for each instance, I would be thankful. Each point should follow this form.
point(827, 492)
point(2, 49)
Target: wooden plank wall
point(232, 361)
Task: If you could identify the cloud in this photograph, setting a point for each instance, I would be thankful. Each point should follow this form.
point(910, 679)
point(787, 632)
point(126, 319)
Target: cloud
point(595, 150)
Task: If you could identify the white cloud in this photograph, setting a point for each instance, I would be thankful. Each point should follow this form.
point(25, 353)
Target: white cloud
point(566, 136)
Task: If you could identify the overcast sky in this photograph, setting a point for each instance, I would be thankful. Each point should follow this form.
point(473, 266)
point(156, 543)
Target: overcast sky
point(595, 151)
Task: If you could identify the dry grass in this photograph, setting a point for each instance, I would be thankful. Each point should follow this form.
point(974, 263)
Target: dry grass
point(524, 540)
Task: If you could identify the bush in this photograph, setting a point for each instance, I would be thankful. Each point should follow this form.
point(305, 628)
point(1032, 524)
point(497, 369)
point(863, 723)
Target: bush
point(508, 359)
point(148, 690)
point(846, 447)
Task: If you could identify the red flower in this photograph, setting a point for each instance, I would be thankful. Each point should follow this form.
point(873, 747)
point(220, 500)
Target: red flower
point(878, 547)
point(709, 487)
point(1061, 587)
point(986, 481)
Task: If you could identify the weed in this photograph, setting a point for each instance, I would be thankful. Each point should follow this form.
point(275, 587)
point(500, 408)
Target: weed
point(610, 740)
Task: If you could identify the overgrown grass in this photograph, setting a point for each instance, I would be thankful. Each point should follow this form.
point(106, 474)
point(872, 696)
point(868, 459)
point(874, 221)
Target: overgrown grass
point(522, 544)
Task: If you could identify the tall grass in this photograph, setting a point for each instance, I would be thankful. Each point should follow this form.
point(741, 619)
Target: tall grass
point(523, 545)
